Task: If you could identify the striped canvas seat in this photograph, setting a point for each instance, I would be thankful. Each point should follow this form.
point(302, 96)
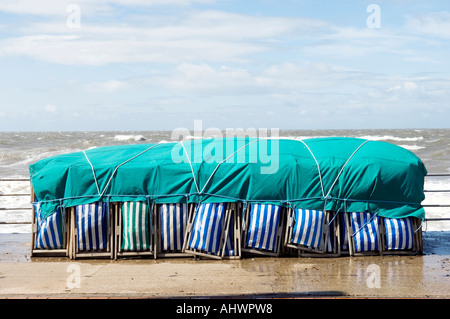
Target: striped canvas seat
point(173, 222)
point(135, 226)
point(92, 223)
point(49, 233)
point(309, 228)
point(208, 227)
point(230, 247)
point(399, 233)
point(263, 227)
point(365, 227)
point(343, 233)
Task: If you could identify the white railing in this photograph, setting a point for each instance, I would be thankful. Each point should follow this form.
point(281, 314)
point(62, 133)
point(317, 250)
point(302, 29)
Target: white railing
point(29, 196)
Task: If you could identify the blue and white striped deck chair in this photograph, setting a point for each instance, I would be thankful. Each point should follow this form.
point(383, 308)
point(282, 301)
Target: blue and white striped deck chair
point(93, 230)
point(398, 234)
point(49, 231)
point(365, 234)
point(262, 229)
point(309, 230)
point(173, 221)
point(343, 234)
point(207, 235)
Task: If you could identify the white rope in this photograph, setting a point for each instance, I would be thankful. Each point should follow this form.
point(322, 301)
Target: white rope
point(344, 167)
point(128, 160)
point(93, 172)
point(192, 169)
point(318, 167)
point(225, 161)
point(115, 170)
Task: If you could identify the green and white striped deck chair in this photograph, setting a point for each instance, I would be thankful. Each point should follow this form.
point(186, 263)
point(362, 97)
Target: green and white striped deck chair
point(134, 229)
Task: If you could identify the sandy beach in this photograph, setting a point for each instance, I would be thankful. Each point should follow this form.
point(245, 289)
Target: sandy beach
point(426, 276)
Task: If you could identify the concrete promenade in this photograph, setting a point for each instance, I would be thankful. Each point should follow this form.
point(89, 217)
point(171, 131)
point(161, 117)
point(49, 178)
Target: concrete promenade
point(426, 276)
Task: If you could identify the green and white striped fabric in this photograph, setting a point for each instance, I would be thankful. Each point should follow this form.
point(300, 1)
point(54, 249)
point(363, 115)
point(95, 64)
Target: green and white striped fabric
point(135, 226)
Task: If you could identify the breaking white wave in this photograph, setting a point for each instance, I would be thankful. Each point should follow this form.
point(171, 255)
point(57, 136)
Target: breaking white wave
point(412, 147)
point(129, 137)
point(392, 138)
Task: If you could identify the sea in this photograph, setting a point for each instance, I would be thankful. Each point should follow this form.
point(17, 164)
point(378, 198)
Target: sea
point(20, 149)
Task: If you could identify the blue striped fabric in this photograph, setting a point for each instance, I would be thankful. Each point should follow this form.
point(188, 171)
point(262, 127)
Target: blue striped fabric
point(230, 249)
point(207, 227)
point(343, 232)
point(263, 226)
point(309, 228)
point(49, 230)
point(365, 231)
point(173, 221)
point(399, 233)
point(92, 221)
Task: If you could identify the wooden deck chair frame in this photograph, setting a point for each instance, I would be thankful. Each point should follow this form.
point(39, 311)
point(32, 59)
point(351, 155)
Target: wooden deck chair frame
point(75, 252)
point(342, 234)
point(418, 235)
point(278, 238)
point(222, 240)
point(351, 241)
point(117, 211)
point(169, 253)
point(416, 240)
point(330, 234)
point(59, 252)
point(235, 226)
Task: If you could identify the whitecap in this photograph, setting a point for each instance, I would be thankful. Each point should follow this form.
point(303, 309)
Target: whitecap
point(129, 137)
point(392, 138)
point(412, 147)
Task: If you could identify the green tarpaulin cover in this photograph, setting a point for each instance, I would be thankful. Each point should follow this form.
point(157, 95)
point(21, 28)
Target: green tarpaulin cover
point(349, 174)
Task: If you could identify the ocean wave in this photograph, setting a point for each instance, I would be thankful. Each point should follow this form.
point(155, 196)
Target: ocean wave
point(392, 138)
point(412, 147)
point(129, 137)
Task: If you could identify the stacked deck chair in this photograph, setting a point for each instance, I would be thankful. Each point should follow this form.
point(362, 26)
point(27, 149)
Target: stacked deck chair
point(208, 230)
point(400, 236)
point(363, 233)
point(262, 229)
point(92, 231)
point(313, 232)
point(133, 231)
point(343, 237)
point(233, 239)
point(171, 225)
point(50, 234)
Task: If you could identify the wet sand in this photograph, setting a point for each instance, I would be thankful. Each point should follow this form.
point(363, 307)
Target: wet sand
point(426, 276)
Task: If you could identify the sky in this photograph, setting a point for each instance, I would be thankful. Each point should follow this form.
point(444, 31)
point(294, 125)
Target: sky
point(136, 65)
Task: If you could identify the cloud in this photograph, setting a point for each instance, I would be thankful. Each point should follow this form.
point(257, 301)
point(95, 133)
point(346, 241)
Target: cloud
point(107, 86)
point(350, 42)
point(49, 108)
point(193, 36)
point(435, 24)
point(89, 7)
point(184, 61)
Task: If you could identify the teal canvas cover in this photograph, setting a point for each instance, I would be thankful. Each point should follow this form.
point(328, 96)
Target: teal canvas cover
point(349, 174)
